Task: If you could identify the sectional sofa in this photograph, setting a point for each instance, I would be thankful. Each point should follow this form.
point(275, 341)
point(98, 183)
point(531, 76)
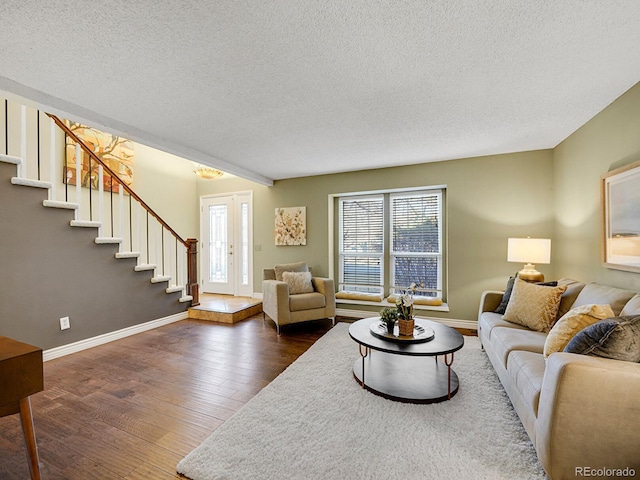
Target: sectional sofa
point(582, 412)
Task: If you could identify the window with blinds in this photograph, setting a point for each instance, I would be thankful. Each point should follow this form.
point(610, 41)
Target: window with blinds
point(400, 230)
point(362, 244)
point(416, 242)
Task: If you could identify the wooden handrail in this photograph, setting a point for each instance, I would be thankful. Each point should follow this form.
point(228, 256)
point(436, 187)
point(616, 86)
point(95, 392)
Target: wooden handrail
point(90, 152)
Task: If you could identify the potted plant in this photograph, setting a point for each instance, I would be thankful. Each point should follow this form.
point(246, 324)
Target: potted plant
point(404, 307)
point(389, 317)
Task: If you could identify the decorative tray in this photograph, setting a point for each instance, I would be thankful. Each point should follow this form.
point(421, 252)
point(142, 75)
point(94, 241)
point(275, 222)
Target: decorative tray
point(421, 333)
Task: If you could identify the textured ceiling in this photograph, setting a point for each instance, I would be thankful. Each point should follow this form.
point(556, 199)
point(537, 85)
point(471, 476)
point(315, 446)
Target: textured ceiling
point(280, 89)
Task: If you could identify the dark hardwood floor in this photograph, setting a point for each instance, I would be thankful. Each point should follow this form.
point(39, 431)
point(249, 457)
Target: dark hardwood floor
point(131, 409)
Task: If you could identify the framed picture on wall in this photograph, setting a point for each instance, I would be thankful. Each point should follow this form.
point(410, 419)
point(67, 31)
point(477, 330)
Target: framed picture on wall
point(291, 226)
point(116, 152)
point(621, 195)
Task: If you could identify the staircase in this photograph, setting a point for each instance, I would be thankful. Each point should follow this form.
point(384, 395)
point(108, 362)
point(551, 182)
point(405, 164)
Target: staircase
point(35, 144)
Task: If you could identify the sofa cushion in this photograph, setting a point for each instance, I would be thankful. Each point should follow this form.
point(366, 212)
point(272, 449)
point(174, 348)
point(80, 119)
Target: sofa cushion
point(571, 323)
point(632, 307)
point(418, 300)
point(534, 306)
point(617, 338)
point(569, 296)
point(489, 320)
point(299, 282)
point(527, 371)
point(506, 340)
point(361, 296)
point(290, 267)
point(594, 293)
point(306, 301)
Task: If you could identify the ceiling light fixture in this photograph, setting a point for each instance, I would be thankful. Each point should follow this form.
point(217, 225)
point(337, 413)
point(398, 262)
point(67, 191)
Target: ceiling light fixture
point(207, 173)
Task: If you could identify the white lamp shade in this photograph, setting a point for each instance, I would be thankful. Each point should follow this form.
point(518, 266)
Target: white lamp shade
point(529, 250)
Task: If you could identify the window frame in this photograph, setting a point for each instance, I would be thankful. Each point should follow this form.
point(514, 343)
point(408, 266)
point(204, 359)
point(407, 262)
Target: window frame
point(439, 255)
point(387, 265)
point(367, 288)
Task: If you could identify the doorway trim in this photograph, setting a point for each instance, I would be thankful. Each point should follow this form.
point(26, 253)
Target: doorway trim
point(237, 284)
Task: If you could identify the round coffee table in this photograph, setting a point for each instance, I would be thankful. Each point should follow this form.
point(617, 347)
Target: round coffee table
point(398, 370)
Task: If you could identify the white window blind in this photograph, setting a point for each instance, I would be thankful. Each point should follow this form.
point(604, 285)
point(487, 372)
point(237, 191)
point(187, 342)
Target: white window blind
point(361, 244)
point(416, 241)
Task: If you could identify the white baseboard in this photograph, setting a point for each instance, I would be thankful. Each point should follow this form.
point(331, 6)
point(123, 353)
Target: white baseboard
point(257, 295)
point(63, 350)
point(450, 322)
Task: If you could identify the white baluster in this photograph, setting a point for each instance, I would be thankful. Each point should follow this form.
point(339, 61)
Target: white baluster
point(171, 272)
point(155, 244)
point(22, 169)
point(138, 226)
point(121, 210)
point(78, 180)
point(178, 265)
point(180, 274)
point(52, 159)
point(100, 198)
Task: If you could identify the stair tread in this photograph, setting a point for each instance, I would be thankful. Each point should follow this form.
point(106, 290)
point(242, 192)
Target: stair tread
point(145, 266)
point(101, 240)
point(127, 254)
point(85, 223)
point(161, 278)
point(10, 159)
point(60, 204)
point(28, 182)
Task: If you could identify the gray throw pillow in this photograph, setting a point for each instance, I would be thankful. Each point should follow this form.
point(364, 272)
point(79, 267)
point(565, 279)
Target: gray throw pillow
point(505, 297)
point(617, 338)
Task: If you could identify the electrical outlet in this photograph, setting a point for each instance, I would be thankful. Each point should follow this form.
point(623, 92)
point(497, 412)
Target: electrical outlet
point(258, 247)
point(64, 323)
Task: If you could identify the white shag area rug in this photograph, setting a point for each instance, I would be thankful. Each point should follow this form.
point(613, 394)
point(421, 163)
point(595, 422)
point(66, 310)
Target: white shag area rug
point(315, 422)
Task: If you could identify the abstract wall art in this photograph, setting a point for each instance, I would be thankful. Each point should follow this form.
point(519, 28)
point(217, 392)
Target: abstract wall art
point(291, 226)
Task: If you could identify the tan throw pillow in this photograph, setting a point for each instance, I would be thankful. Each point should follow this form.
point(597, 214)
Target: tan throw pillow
point(571, 323)
point(289, 267)
point(299, 282)
point(533, 306)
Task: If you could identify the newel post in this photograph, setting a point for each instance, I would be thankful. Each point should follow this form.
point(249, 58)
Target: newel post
point(192, 270)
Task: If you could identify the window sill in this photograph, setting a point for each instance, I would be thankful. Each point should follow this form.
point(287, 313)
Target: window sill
point(440, 308)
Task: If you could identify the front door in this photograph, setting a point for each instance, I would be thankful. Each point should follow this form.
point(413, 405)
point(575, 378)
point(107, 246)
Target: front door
point(226, 234)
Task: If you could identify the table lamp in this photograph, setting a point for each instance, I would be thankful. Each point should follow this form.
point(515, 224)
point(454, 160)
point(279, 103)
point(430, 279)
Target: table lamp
point(529, 251)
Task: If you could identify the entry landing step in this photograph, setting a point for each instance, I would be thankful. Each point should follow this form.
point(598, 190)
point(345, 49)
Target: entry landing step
point(225, 308)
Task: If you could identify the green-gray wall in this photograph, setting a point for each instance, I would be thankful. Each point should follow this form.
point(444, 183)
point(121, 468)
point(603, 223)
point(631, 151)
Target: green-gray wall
point(608, 141)
point(488, 200)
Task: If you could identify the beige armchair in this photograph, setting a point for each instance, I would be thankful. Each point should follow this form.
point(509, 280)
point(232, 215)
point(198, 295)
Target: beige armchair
point(290, 294)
